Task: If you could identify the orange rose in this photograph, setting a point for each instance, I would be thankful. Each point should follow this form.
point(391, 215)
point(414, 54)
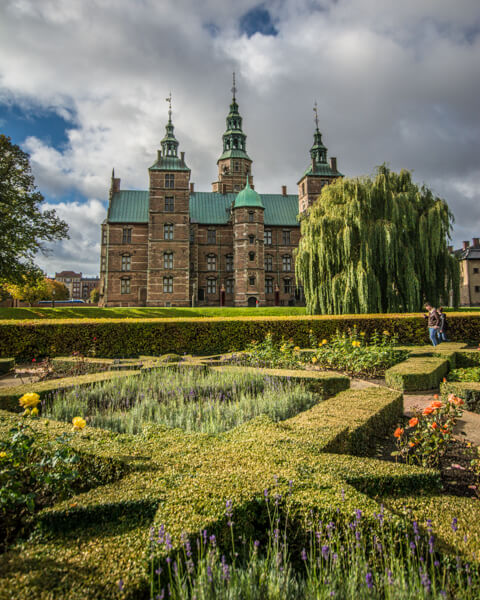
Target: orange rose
point(445, 430)
point(411, 444)
point(459, 401)
point(399, 431)
point(413, 422)
point(435, 396)
point(436, 404)
point(444, 380)
point(427, 411)
point(434, 425)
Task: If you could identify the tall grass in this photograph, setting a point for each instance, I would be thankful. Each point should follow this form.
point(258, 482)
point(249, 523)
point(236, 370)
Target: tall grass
point(192, 400)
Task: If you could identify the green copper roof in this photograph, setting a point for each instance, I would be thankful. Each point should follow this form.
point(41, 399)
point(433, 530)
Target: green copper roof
point(322, 169)
point(169, 163)
point(234, 154)
point(248, 197)
point(129, 206)
point(207, 208)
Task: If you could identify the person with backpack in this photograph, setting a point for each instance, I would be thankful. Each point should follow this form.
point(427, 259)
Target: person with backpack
point(442, 329)
point(433, 323)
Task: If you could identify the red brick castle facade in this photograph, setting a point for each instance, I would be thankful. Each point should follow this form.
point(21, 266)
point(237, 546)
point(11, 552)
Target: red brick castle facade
point(173, 246)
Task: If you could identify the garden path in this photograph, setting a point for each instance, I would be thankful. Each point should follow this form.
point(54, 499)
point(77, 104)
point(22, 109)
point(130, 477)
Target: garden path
point(23, 374)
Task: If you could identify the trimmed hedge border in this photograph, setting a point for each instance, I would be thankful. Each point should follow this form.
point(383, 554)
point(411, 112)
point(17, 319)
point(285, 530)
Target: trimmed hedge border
point(6, 365)
point(418, 373)
point(469, 391)
point(83, 546)
point(133, 337)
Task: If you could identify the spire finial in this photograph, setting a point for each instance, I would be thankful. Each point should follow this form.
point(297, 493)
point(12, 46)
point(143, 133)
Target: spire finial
point(315, 110)
point(234, 89)
point(169, 100)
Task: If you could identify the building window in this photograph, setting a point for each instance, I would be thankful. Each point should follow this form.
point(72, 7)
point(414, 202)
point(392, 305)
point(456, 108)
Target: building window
point(103, 264)
point(251, 280)
point(126, 262)
point(267, 237)
point(168, 231)
point(286, 238)
point(303, 189)
point(127, 235)
point(269, 285)
point(211, 286)
point(104, 236)
point(251, 216)
point(251, 255)
point(251, 239)
point(211, 262)
point(211, 236)
point(286, 262)
point(287, 286)
point(268, 262)
point(169, 204)
point(236, 164)
point(168, 285)
point(475, 270)
point(229, 262)
point(229, 284)
point(125, 286)
point(192, 235)
point(477, 288)
point(169, 180)
point(168, 260)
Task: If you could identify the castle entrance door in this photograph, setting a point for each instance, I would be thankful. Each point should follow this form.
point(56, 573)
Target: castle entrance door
point(252, 301)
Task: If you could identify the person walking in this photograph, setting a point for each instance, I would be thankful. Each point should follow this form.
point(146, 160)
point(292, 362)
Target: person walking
point(442, 327)
point(433, 323)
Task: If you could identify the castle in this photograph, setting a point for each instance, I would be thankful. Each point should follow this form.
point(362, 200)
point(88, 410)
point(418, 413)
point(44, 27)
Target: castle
point(173, 246)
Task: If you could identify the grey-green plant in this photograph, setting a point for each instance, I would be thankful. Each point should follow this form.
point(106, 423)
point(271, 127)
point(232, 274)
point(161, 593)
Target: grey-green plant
point(377, 245)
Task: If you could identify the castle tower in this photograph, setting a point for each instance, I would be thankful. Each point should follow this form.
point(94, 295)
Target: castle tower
point(248, 242)
point(318, 173)
point(234, 165)
point(168, 225)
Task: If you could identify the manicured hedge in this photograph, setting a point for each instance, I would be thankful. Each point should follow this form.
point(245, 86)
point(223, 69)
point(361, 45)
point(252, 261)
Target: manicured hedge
point(134, 337)
point(6, 365)
point(469, 391)
point(419, 373)
point(83, 546)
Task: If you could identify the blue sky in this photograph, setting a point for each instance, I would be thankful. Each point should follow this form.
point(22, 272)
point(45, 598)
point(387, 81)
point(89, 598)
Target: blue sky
point(83, 88)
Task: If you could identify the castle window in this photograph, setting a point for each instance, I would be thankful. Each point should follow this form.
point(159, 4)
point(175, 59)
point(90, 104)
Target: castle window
point(211, 262)
point(267, 237)
point(286, 262)
point(269, 285)
point(211, 286)
point(192, 235)
point(251, 239)
point(104, 236)
point(268, 262)
point(477, 288)
point(168, 285)
point(229, 262)
point(251, 280)
point(125, 286)
point(236, 164)
point(168, 231)
point(169, 180)
point(127, 235)
point(286, 238)
point(303, 189)
point(211, 236)
point(475, 269)
point(251, 216)
point(103, 264)
point(287, 286)
point(126, 262)
point(251, 255)
point(229, 284)
point(169, 203)
point(168, 260)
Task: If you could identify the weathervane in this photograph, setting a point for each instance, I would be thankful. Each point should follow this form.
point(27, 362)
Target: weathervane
point(316, 114)
point(169, 100)
point(234, 89)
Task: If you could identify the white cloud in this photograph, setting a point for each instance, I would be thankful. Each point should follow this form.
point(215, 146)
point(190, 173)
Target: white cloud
point(395, 82)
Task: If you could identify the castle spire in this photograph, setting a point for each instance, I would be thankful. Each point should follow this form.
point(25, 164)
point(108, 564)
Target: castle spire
point(318, 151)
point(234, 140)
point(169, 142)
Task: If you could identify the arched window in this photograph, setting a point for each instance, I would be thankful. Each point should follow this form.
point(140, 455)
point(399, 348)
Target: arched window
point(211, 262)
point(251, 216)
point(168, 260)
point(251, 239)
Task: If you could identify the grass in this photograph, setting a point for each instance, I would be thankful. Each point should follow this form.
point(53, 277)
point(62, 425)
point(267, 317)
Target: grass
point(189, 400)
point(94, 312)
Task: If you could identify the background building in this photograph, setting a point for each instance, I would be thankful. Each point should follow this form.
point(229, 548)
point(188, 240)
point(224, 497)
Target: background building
point(469, 257)
point(79, 288)
point(173, 246)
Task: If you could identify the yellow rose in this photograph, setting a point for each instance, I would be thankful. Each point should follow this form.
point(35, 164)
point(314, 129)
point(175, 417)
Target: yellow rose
point(78, 423)
point(324, 342)
point(26, 412)
point(314, 359)
point(354, 344)
point(386, 332)
point(34, 412)
point(3, 455)
point(29, 400)
point(362, 333)
point(297, 349)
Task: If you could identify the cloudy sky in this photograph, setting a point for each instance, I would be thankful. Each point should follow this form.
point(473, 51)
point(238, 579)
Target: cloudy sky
point(83, 86)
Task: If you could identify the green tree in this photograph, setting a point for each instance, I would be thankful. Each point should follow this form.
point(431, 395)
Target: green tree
point(24, 227)
point(30, 290)
point(376, 244)
point(57, 290)
point(95, 295)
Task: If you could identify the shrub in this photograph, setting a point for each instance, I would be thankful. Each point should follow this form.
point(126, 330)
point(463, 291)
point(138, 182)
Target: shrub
point(6, 365)
point(419, 373)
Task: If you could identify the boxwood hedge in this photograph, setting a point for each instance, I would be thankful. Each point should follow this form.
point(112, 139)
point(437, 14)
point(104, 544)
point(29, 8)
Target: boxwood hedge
point(133, 337)
point(418, 373)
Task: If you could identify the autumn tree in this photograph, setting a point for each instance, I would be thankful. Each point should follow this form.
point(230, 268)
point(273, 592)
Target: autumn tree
point(24, 226)
point(375, 245)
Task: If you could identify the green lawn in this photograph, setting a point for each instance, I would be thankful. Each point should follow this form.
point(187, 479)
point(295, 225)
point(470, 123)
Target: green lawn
point(93, 312)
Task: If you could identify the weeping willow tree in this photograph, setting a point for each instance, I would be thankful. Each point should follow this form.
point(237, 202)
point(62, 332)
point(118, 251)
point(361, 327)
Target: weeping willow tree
point(375, 245)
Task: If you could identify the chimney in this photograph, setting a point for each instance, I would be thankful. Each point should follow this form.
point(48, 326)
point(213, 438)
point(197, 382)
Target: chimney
point(115, 184)
point(333, 163)
point(450, 249)
point(192, 187)
point(182, 156)
point(465, 245)
point(284, 190)
point(476, 242)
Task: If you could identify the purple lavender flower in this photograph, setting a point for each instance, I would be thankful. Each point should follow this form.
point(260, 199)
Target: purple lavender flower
point(225, 570)
point(120, 585)
point(161, 595)
point(168, 542)
point(358, 514)
point(304, 555)
point(256, 544)
point(213, 540)
point(265, 493)
point(431, 542)
point(158, 571)
point(209, 573)
point(454, 524)
point(325, 551)
point(390, 577)
point(369, 580)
